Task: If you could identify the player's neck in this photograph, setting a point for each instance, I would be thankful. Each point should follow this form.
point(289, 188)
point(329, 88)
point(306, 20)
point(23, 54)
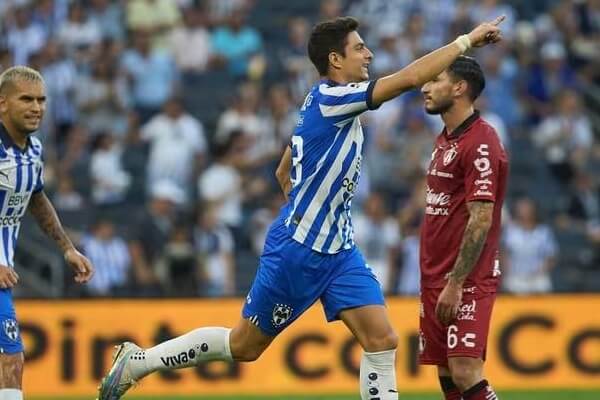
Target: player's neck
point(456, 116)
point(17, 137)
point(336, 77)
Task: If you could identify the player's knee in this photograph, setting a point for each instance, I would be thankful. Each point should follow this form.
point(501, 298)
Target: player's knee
point(465, 376)
point(383, 342)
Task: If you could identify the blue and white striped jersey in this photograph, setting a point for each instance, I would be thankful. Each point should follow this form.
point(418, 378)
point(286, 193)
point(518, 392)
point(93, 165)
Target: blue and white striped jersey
point(21, 175)
point(326, 159)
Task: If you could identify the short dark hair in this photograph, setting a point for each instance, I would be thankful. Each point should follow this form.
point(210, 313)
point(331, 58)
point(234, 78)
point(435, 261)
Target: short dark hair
point(468, 69)
point(327, 37)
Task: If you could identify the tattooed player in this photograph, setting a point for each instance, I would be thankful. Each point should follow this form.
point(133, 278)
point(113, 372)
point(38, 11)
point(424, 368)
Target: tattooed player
point(466, 183)
point(22, 105)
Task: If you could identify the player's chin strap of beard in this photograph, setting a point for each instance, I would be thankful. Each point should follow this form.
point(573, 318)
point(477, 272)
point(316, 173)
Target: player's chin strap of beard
point(11, 394)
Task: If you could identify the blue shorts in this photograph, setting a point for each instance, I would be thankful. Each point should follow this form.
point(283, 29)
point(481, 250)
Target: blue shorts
point(292, 276)
point(10, 336)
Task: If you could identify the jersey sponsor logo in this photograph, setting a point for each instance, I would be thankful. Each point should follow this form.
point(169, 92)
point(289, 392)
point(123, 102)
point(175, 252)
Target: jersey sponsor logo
point(437, 203)
point(11, 329)
point(281, 314)
point(10, 220)
point(437, 199)
point(466, 311)
point(17, 200)
point(441, 174)
point(483, 165)
point(496, 271)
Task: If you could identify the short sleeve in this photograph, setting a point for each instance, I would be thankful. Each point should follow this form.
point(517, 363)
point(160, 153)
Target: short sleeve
point(346, 100)
point(39, 178)
point(482, 167)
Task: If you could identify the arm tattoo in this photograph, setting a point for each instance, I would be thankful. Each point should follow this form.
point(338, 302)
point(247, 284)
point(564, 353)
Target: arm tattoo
point(480, 221)
point(46, 217)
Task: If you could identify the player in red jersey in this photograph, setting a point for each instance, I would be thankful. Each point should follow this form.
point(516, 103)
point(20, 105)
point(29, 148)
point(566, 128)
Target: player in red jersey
point(466, 184)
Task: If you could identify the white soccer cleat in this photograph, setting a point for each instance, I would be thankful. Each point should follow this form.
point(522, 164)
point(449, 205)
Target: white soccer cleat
point(119, 379)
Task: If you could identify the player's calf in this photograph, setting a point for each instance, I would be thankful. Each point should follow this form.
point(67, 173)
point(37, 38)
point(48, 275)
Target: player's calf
point(202, 344)
point(450, 390)
point(247, 342)
point(467, 375)
point(11, 376)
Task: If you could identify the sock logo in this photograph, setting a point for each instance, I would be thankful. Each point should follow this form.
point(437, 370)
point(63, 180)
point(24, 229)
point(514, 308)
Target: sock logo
point(172, 361)
point(373, 386)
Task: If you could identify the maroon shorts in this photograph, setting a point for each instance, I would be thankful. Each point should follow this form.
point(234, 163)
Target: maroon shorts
point(466, 336)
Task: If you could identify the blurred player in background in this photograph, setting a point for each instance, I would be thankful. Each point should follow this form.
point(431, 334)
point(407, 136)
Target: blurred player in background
point(22, 105)
point(466, 184)
point(309, 253)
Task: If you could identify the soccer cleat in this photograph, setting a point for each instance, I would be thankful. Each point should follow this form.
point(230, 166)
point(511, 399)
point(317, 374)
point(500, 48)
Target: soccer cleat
point(118, 380)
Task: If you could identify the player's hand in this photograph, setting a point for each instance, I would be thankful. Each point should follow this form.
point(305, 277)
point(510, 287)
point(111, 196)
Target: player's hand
point(486, 33)
point(81, 265)
point(448, 303)
point(8, 277)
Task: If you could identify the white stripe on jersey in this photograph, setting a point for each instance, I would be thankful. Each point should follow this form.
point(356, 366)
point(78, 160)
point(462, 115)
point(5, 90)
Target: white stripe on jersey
point(338, 199)
point(321, 195)
point(309, 179)
point(344, 90)
point(334, 111)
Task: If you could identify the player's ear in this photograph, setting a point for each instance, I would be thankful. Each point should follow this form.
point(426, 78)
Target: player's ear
point(335, 60)
point(3, 104)
point(460, 88)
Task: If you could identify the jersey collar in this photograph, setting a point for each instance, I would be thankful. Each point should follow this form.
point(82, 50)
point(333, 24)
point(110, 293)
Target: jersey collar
point(330, 82)
point(8, 141)
point(462, 128)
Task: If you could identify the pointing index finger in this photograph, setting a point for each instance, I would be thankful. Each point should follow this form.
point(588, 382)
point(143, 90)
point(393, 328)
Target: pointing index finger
point(498, 20)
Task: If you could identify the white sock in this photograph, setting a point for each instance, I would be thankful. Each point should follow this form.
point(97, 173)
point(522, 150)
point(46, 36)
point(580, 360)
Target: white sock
point(378, 376)
point(11, 394)
point(202, 344)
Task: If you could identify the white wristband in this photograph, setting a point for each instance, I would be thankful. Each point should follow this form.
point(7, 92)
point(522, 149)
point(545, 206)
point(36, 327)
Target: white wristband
point(463, 42)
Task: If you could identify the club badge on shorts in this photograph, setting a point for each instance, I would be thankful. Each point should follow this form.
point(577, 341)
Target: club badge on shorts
point(281, 313)
point(11, 329)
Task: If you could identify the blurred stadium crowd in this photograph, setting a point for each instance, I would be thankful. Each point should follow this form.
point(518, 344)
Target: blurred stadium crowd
point(166, 120)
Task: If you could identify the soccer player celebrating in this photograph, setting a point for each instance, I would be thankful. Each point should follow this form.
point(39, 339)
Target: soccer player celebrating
point(309, 253)
point(466, 183)
point(22, 105)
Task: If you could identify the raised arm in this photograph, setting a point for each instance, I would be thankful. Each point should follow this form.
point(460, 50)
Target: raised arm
point(46, 217)
point(431, 65)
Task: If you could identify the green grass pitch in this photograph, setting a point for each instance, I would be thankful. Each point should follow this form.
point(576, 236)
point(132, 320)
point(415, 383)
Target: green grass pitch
point(502, 395)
